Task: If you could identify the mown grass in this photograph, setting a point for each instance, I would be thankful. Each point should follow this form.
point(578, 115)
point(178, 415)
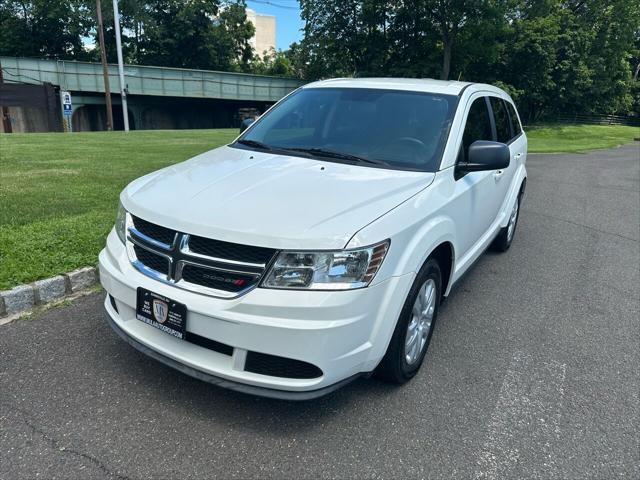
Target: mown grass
point(578, 138)
point(58, 192)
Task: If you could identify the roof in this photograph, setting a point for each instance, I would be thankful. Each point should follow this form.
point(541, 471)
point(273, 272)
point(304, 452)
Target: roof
point(449, 87)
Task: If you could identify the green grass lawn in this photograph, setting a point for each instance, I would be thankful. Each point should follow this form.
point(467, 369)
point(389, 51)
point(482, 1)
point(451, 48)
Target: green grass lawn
point(578, 138)
point(58, 192)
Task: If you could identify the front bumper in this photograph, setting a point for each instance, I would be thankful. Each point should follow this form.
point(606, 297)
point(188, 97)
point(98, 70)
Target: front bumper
point(220, 382)
point(344, 334)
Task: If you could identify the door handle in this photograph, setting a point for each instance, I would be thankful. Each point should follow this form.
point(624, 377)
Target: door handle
point(498, 174)
point(517, 156)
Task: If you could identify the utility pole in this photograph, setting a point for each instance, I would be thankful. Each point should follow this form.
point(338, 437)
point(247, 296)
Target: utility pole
point(105, 69)
point(123, 86)
point(6, 121)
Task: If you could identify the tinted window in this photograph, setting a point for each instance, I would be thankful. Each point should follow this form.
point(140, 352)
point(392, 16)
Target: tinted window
point(515, 123)
point(404, 129)
point(478, 126)
point(501, 117)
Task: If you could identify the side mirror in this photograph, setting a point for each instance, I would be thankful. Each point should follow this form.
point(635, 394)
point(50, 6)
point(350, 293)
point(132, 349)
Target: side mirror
point(485, 155)
point(245, 123)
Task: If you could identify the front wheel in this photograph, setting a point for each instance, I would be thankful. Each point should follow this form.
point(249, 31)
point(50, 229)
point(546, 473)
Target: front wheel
point(414, 328)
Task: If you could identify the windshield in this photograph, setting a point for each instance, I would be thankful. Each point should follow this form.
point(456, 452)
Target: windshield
point(374, 127)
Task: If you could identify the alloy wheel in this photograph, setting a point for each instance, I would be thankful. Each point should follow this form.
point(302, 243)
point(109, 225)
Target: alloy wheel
point(420, 324)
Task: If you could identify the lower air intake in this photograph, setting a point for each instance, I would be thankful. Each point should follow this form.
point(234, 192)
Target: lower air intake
point(279, 366)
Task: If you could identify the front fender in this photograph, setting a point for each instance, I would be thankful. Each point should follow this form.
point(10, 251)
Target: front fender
point(412, 242)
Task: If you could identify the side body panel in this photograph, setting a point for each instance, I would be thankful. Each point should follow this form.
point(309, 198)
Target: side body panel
point(468, 212)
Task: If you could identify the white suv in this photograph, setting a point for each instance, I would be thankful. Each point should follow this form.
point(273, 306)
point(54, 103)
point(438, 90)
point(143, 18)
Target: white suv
point(317, 246)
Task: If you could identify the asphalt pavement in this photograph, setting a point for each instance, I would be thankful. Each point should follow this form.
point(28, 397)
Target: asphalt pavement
point(533, 372)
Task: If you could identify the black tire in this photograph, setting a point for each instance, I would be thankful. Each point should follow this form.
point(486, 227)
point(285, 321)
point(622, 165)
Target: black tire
point(502, 242)
point(394, 366)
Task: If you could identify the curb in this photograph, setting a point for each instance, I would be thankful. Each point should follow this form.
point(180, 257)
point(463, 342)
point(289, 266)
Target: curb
point(25, 297)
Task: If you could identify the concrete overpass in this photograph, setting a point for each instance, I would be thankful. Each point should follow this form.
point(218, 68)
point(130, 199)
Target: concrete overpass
point(159, 97)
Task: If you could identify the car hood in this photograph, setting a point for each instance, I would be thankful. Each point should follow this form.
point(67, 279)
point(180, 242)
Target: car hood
point(268, 199)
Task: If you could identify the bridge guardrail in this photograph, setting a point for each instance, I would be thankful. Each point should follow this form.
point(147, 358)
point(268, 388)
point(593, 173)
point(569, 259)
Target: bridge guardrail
point(149, 80)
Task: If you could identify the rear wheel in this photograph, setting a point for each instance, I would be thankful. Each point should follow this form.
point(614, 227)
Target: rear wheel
point(505, 237)
point(414, 328)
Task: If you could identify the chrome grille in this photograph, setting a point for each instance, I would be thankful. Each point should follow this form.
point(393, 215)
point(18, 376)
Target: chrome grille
point(151, 230)
point(204, 265)
point(229, 251)
point(153, 261)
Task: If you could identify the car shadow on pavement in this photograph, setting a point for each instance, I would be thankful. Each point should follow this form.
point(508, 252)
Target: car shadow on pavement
point(188, 396)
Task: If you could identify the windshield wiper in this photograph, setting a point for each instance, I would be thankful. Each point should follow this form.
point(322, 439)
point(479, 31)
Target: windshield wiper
point(323, 152)
point(255, 144)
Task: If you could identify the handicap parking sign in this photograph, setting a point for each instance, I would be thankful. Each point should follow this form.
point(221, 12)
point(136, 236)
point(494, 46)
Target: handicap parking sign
point(67, 109)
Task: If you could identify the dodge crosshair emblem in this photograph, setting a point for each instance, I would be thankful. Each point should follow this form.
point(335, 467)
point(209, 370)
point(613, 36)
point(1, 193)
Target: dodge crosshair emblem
point(160, 310)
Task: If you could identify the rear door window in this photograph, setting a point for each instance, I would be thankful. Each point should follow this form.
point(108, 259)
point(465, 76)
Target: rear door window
point(501, 117)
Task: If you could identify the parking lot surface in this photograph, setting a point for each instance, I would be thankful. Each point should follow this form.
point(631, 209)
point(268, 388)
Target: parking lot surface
point(534, 371)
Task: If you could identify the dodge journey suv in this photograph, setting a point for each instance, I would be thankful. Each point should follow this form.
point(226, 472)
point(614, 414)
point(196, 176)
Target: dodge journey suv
point(318, 246)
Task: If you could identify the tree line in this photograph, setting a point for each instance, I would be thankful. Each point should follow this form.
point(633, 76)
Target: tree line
point(552, 56)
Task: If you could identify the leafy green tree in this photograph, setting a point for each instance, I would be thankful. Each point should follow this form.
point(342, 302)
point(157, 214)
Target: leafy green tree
point(552, 56)
point(345, 37)
point(195, 34)
point(615, 25)
point(232, 33)
point(132, 20)
point(450, 17)
point(412, 41)
point(276, 63)
point(571, 56)
point(43, 28)
point(382, 36)
point(178, 34)
point(528, 64)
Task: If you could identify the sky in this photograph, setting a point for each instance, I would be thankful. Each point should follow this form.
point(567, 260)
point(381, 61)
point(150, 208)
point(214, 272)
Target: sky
point(288, 21)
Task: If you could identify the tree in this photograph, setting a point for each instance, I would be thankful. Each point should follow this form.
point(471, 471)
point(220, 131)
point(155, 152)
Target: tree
point(360, 37)
point(195, 34)
point(43, 28)
point(571, 56)
point(344, 37)
point(231, 38)
point(615, 25)
point(449, 17)
point(132, 20)
point(552, 56)
point(276, 63)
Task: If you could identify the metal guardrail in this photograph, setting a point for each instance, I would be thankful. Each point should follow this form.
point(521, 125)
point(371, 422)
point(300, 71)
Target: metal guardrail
point(147, 80)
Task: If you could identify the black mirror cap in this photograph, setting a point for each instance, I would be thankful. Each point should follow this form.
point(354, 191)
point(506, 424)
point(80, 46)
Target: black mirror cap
point(485, 155)
point(245, 123)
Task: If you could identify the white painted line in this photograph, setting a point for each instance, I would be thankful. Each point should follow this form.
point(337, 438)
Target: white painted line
point(525, 420)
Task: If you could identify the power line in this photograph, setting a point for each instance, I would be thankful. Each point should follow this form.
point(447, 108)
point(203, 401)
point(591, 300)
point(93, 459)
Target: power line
point(277, 5)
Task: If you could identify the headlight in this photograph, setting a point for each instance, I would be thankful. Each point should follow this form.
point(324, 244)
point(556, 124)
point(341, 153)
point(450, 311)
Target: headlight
point(337, 270)
point(121, 223)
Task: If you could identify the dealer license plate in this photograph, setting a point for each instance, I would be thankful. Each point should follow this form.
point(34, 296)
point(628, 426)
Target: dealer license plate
point(162, 313)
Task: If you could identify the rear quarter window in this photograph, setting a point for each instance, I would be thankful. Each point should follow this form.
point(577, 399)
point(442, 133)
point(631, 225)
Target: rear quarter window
point(515, 123)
